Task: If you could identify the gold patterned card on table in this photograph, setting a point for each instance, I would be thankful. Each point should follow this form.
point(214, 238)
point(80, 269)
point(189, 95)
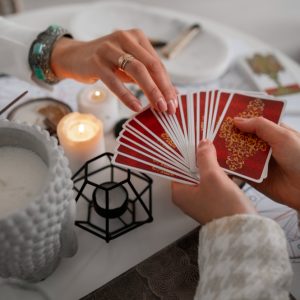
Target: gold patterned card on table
point(270, 75)
point(166, 145)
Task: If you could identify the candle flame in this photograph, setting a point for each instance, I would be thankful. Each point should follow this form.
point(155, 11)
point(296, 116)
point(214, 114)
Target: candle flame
point(97, 93)
point(81, 128)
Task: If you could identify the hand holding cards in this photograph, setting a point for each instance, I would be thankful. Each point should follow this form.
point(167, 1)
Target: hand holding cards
point(166, 145)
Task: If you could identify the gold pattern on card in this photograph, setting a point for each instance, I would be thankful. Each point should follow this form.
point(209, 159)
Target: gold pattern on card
point(168, 140)
point(242, 145)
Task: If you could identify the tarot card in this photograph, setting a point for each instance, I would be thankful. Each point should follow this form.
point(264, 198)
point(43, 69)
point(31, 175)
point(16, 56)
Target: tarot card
point(166, 145)
point(147, 124)
point(123, 159)
point(134, 143)
point(244, 154)
point(153, 143)
point(269, 74)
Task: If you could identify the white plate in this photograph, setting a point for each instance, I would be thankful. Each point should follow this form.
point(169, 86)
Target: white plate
point(206, 58)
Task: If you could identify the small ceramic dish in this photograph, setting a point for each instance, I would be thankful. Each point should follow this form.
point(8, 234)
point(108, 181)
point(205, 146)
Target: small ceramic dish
point(44, 112)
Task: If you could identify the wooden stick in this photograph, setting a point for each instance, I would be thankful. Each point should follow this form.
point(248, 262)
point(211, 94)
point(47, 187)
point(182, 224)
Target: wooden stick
point(13, 102)
point(174, 47)
point(157, 43)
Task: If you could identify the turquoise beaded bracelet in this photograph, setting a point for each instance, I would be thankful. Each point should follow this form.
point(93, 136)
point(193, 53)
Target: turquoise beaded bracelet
point(40, 53)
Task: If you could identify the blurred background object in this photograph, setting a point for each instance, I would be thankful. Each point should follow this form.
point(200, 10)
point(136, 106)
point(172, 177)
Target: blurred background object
point(10, 7)
point(275, 22)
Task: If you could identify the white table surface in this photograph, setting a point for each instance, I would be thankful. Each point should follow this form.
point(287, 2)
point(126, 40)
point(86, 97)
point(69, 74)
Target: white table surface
point(96, 261)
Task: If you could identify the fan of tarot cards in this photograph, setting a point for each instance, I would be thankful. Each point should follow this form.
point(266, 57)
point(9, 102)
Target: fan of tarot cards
point(166, 145)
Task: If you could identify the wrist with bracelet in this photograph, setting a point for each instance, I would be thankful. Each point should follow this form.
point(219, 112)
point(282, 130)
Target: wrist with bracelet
point(39, 57)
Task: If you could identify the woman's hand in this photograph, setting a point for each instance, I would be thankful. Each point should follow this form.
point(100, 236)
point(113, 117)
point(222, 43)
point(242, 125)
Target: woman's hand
point(216, 196)
point(283, 181)
point(99, 59)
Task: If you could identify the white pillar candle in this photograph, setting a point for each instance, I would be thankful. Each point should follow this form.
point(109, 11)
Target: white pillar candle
point(81, 136)
point(23, 175)
point(98, 100)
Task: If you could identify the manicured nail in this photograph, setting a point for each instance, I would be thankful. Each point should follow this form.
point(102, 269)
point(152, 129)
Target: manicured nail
point(204, 142)
point(161, 105)
point(171, 107)
point(136, 106)
point(175, 101)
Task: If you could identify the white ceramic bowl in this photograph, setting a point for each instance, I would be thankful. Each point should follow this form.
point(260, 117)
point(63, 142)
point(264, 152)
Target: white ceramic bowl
point(205, 58)
point(34, 238)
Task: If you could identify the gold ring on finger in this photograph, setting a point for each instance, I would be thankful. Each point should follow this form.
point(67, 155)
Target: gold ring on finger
point(124, 59)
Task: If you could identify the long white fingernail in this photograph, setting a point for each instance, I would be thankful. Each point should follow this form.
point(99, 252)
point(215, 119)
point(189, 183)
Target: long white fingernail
point(136, 106)
point(161, 105)
point(171, 107)
point(175, 102)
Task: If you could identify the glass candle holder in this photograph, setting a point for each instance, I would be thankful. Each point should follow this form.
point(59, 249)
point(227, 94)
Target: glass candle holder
point(98, 100)
point(81, 136)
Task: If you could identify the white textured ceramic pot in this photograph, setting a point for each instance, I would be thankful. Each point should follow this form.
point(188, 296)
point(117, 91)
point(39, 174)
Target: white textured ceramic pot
point(35, 237)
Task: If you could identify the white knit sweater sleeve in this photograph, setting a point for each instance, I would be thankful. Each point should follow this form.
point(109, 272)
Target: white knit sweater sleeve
point(15, 41)
point(243, 257)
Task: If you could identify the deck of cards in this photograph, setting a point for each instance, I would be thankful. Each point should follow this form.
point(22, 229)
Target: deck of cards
point(166, 145)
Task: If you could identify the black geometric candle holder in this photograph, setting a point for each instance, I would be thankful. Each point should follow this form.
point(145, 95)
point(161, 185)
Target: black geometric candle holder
point(111, 200)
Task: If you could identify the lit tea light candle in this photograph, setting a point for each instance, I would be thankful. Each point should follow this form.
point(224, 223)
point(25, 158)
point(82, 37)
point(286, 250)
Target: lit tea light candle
point(101, 102)
point(110, 201)
point(81, 136)
point(98, 95)
point(23, 175)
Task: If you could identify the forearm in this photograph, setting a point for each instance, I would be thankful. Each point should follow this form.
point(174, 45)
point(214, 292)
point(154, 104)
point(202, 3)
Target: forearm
point(243, 257)
point(15, 41)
